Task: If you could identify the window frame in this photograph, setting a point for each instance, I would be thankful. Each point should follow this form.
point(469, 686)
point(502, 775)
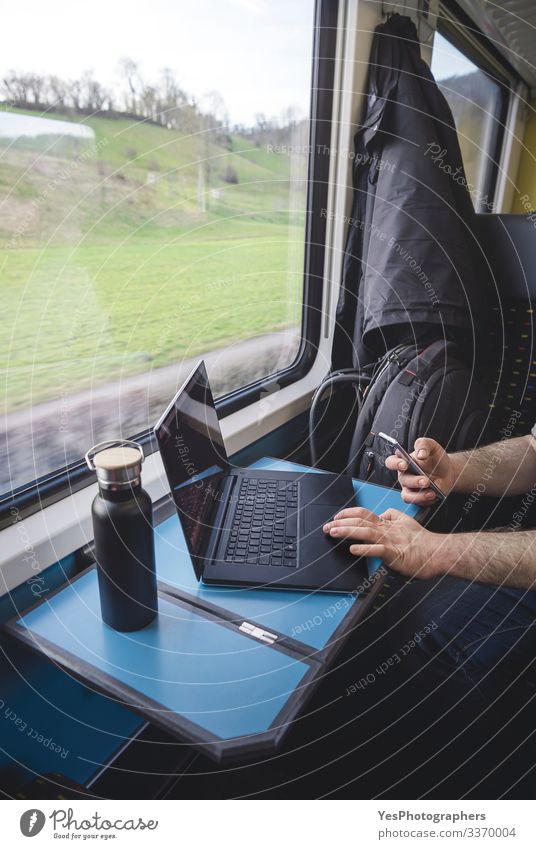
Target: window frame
point(458, 28)
point(53, 487)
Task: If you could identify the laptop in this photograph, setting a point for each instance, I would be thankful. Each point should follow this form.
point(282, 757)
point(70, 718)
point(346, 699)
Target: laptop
point(249, 527)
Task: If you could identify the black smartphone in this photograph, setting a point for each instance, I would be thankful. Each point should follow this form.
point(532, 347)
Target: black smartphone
point(412, 464)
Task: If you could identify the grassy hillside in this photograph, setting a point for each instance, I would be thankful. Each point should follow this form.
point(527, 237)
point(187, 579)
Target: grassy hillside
point(138, 175)
point(135, 250)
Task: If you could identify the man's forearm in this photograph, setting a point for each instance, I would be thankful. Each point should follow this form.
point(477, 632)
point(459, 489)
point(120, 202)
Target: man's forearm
point(494, 557)
point(504, 468)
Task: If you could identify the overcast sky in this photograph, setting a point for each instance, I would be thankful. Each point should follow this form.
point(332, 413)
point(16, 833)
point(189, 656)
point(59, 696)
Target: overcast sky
point(447, 61)
point(256, 53)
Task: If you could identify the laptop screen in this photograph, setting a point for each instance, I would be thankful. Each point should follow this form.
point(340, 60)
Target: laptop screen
point(194, 457)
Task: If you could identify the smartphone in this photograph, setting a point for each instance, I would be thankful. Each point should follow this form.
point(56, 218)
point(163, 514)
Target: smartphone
point(412, 464)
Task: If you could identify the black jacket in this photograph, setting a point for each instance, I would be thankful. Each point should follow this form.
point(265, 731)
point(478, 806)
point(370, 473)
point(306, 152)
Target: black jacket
point(411, 261)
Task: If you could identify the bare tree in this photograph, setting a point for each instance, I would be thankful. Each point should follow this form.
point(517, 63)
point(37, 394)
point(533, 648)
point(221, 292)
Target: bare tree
point(214, 106)
point(109, 103)
point(173, 100)
point(95, 95)
point(149, 102)
point(36, 85)
point(17, 86)
point(76, 93)
point(131, 75)
point(59, 90)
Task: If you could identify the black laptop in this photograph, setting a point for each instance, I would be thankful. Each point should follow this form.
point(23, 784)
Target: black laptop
point(248, 527)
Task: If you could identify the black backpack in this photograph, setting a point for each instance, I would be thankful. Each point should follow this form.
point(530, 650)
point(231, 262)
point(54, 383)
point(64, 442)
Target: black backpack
point(412, 391)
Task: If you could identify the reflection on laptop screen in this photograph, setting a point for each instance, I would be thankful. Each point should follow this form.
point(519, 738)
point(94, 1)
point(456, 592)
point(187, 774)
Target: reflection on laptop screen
point(194, 457)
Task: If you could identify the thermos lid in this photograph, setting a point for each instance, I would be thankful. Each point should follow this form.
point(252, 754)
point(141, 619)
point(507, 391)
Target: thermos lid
point(117, 463)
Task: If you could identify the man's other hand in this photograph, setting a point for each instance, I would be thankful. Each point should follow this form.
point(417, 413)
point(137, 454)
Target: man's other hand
point(397, 539)
point(437, 466)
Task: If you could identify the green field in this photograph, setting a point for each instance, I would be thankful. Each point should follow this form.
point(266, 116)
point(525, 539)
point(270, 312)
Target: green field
point(129, 255)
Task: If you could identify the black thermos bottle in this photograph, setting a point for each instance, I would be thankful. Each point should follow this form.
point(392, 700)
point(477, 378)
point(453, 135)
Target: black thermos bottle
point(124, 543)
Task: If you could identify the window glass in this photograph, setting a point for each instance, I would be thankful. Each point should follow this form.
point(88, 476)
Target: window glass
point(475, 100)
point(153, 175)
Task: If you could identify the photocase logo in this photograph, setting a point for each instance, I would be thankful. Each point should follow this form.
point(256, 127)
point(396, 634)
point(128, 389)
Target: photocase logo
point(31, 822)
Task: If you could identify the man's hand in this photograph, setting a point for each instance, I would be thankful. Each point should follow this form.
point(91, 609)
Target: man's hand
point(398, 539)
point(437, 465)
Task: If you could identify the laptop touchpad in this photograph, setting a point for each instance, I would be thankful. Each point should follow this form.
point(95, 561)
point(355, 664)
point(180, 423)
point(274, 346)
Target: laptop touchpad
point(321, 545)
point(316, 516)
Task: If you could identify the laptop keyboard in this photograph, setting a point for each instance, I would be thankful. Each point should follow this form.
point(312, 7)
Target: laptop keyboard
point(264, 529)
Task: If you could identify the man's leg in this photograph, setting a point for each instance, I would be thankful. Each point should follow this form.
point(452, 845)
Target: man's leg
point(485, 632)
point(447, 665)
point(407, 709)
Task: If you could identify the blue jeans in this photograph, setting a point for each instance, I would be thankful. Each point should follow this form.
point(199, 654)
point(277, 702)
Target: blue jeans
point(457, 690)
point(402, 716)
point(482, 636)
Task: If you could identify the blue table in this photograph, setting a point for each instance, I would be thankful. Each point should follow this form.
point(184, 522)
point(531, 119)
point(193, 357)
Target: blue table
point(201, 670)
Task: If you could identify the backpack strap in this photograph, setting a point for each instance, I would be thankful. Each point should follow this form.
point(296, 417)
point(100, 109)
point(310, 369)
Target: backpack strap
point(385, 372)
point(349, 376)
point(360, 379)
point(425, 362)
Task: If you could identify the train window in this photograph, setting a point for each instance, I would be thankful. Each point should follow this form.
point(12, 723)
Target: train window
point(476, 101)
point(152, 211)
